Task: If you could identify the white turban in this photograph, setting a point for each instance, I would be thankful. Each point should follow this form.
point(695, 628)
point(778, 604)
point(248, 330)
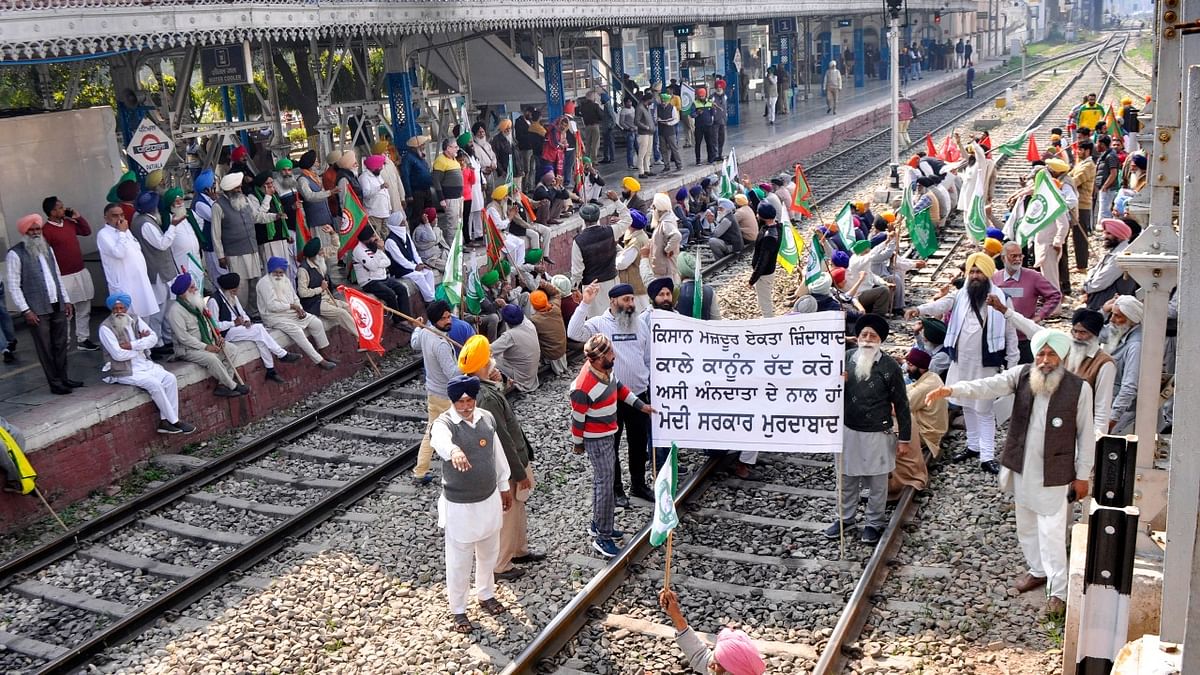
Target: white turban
point(662, 202)
point(231, 181)
point(1130, 307)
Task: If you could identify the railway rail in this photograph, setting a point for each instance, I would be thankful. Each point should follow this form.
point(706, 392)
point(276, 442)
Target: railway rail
point(796, 487)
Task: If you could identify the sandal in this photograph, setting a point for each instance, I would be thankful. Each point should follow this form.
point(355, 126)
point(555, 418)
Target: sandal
point(462, 624)
point(492, 606)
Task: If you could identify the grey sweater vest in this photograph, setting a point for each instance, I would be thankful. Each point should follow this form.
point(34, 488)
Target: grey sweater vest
point(160, 264)
point(237, 228)
point(33, 281)
point(479, 482)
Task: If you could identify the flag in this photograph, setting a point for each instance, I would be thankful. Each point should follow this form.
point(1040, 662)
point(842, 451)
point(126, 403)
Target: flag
point(303, 234)
point(495, 241)
point(977, 221)
point(729, 174)
point(905, 210)
point(464, 121)
point(368, 318)
point(473, 295)
point(1014, 146)
point(512, 179)
point(665, 518)
point(789, 249)
point(577, 170)
point(354, 219)
point(1112, 126)
point(930, 148)
point(452, 276)
point(698, 295)
point(687, 98)
point(1044, 207)
point(923, 234)
point(813, 269)
point(845, 223)
point(1032, 153)
point(801, 194)
point(530, 213)
point(196, 270)
point(950, 151)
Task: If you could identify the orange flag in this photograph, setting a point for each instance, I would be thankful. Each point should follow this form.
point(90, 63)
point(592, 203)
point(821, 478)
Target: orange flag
point(1032, 154)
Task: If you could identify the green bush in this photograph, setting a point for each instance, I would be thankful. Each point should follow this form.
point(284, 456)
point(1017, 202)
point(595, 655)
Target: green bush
point(297, 136)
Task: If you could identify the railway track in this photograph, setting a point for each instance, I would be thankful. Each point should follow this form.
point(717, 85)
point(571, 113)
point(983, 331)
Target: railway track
point(252, 502)
point(777, 576)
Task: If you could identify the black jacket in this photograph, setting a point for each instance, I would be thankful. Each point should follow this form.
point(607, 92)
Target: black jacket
point(766, 251)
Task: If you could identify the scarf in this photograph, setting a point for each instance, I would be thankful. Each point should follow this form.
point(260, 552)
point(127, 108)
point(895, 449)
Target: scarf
point(274, 227)
point(993, 323)
point(203, 320)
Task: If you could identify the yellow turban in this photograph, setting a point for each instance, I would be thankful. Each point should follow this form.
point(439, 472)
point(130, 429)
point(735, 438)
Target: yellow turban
point(992, 247)
point(1057, 165)
point(982, 261)
point(475, 355)
point(888, 215)
point(741, 199)
point(381, 147)
point(630, 183)
point(500, 192)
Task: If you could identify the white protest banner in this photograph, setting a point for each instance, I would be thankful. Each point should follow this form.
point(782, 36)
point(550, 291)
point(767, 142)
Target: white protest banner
point(771, 385)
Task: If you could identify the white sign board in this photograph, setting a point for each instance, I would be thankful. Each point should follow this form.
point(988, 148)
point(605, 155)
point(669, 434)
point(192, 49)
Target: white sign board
point(771, 385)
point(149, 146)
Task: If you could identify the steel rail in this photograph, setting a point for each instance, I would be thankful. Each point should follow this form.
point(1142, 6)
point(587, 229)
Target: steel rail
point(854, 616)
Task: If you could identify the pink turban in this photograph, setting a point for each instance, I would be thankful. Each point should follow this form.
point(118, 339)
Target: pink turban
point(1117, 228)
point(26, 222)
point(736, 653)
point(374, 162)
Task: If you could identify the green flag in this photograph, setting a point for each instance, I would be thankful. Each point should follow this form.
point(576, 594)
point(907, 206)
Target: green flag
point(698, 294)
point(813, 269)
point(354, 219)
point(473, 295)
point(452, 276)
point(1044, 207)
point(665, 485)
point(923, 234)
point(789, 249)
point(729, 173)
point(1014, 146)
point(905, 210)
point(845, 223)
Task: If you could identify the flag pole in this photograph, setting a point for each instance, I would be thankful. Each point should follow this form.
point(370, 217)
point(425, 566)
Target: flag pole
point(413, 320)
point(63, 525)
point(837, 469)
point(667, 565)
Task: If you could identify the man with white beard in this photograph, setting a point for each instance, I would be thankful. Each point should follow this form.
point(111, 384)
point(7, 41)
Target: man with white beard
point(1122, 340)
point(185, 248)
point(1086, 359)
point(235, 325)
point(155, 239)
point(39, 295)
point(127, 341)
point(234, 238)
point(1052, 409)
point(406, 261)
point(874, 388)
point(630, 338)
point(980, 342)
point(197, 339)
point(281, 309)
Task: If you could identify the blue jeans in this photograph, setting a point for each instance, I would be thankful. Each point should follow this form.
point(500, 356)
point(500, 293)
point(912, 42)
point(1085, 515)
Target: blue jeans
point(6, 322)
point(569, 169)
point(630, 148)
point(609, 145)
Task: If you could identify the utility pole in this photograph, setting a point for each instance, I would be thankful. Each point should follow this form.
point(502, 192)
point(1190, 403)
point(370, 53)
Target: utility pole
point(894, 7)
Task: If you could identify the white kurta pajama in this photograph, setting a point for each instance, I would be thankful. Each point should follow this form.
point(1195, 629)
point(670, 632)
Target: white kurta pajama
point(125, 271)
point(148, 375)
point(969, 345)
point(257, 333)
point(472, 529)
point(277, 312)
point(1042, 512)
point(423, 279)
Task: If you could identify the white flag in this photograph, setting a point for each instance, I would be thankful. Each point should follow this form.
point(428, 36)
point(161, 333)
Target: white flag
point(1045, 205)
point(665, 518)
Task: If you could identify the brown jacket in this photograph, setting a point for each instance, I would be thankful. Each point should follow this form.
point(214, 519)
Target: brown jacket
point(551, 330)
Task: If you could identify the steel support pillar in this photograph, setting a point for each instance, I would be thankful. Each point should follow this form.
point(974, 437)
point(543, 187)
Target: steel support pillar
point(733, 87)
point(616, 59)
point(1107, 582)
point(400, 80)
point(860, 58)
point(280, 141)
point(685, 74)
point(658, 57)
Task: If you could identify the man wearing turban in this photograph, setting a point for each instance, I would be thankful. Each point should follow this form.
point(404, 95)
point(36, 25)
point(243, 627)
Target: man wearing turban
point(127, 341)
point(156, 237)
point(547, 319)
point(1122, 339)
point(235, 239)
point(980, 341)
point(475, 495)
point(734, 652)
point(594, 255)
point(665, 240)
point(517, 350)
point(1107, 279)
point(125, 268)
point(766, 255)
point(475, 360)
point(197, 339)
point(39, 295)
point(313, 289)
point(1052, 409)
point(234, 325)
point(281, 309)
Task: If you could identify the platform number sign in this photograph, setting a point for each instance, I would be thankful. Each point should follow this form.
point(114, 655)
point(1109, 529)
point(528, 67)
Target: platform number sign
point(150, 147)
point(786, 26)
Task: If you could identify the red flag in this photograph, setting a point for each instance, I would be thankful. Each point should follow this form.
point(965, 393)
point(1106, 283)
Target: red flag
point(930, 148)
point(1032, 153)
point(368, 319)
point(495, 242)
point(801, 192)
point(303, 235)
point(950, 151)
point(527, 206)
point(354, 219)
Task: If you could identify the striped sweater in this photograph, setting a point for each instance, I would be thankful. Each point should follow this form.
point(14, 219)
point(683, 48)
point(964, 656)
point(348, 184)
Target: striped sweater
point(594, 405)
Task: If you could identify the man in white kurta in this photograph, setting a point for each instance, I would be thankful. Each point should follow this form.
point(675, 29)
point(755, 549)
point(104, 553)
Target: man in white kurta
point(232, 321)
point(127, 340)
point(1053, 405)
point(403, 252)
point(980, 341)
point(125, 268)
point(1048, 242)
point(280, 307)
point(475, 495)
